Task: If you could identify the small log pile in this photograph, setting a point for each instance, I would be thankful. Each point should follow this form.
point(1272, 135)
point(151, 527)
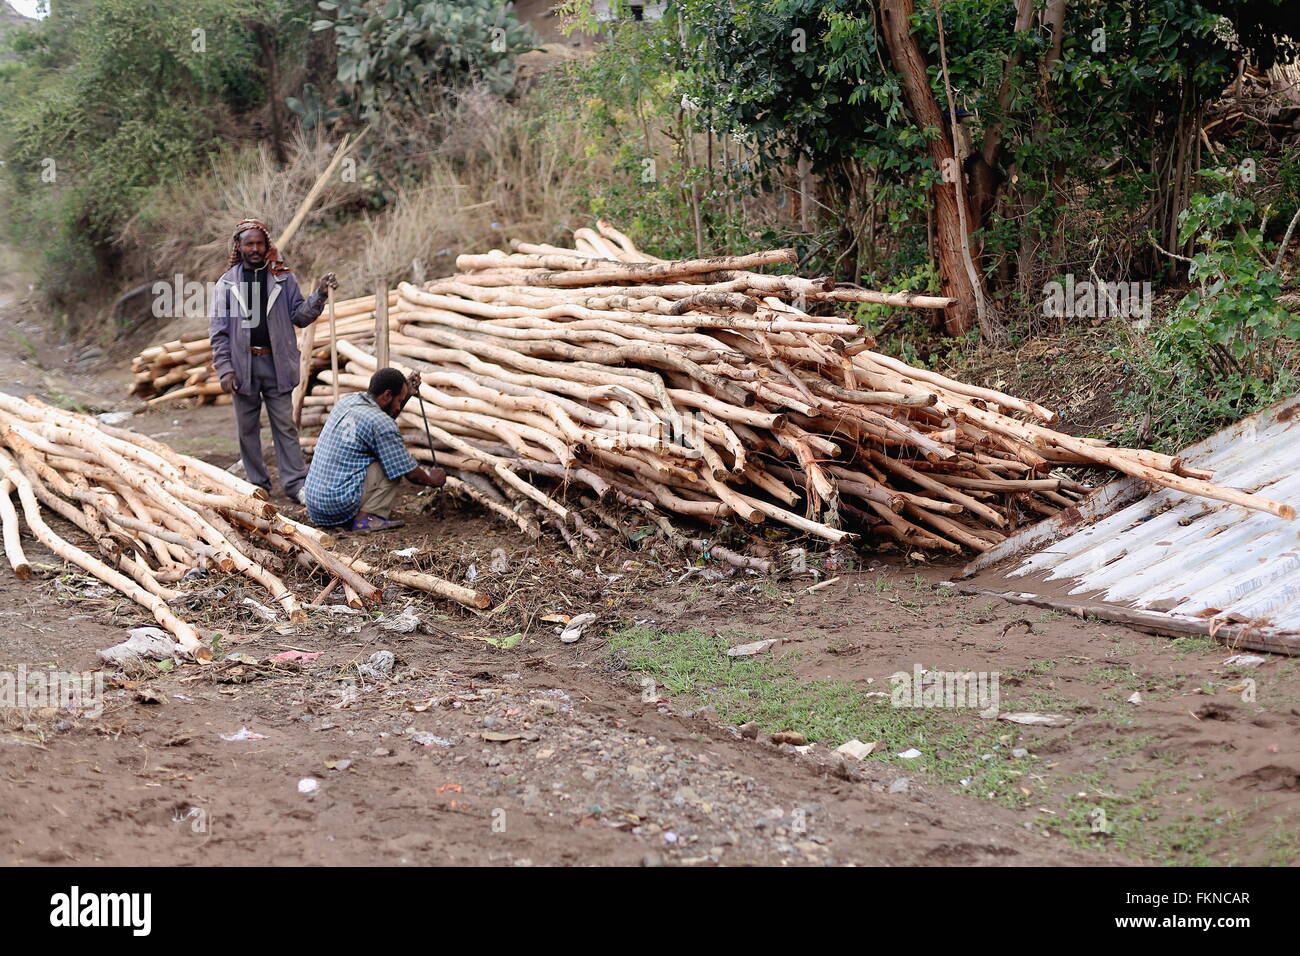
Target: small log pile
point(153, 515)
point(182, 368)
point(706, 389)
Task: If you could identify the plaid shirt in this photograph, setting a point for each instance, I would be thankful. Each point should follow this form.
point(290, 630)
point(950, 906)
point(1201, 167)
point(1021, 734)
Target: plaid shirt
point(357, 434)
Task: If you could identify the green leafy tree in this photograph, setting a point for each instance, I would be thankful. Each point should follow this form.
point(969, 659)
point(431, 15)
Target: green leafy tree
point(394, 54)
point(107, 99)
point(1049, 96)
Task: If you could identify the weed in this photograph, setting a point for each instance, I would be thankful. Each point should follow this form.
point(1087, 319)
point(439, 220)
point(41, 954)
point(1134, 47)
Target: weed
point(26, 344)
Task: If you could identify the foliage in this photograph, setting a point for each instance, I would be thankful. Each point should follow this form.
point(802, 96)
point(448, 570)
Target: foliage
point(1221, 353)
point(394, 55)
point(628, 99)
point(814, 78)
point(311, 110)
point(108, 98)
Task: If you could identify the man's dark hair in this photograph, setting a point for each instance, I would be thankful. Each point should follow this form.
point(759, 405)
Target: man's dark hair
point(387, 380)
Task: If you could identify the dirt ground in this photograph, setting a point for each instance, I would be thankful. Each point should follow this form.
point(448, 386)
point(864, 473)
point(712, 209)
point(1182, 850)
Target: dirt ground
point(623, 748)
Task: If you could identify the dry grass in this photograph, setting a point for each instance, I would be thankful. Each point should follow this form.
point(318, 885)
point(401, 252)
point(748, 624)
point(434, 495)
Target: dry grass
point(187, 226)
point(493, 169)
point(499, 169)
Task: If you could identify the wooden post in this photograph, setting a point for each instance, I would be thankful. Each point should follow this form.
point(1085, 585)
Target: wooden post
point(381, 322)
point(334, 346)
point(306, 345)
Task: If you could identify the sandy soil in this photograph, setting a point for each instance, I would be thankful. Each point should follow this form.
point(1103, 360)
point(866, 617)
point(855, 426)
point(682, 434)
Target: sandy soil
point(552, 754)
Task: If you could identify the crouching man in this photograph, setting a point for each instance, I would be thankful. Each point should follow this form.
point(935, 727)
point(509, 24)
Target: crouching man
point(360, 458)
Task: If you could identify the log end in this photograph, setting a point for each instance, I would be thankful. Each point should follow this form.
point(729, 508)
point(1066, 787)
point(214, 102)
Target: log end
point(24, 571)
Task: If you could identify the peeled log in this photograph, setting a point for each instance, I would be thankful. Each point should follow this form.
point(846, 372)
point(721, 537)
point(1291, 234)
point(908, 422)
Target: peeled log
point(431, 584)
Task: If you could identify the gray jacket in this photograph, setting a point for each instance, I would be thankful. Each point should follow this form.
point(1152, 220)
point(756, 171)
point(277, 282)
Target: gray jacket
point(229, 324)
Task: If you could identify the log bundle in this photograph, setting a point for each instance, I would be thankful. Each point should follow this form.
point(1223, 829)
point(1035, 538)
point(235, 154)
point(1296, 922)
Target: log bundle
point(560, 381)
point(155, 515)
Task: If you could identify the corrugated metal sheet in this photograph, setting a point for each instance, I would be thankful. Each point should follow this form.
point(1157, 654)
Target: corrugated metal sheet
point(1193, 563)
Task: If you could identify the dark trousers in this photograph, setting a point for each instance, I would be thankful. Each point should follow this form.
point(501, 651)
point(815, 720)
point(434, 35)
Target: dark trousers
point(279, 412)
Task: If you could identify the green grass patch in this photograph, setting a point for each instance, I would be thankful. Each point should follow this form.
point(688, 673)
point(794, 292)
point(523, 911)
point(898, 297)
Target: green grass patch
point(958, 749)
point(764, 689)
point(1194, 645)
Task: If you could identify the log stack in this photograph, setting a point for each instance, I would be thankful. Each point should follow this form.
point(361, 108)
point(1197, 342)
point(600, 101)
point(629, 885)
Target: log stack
point(154, 515)
point(564, 381)
point(560, 381)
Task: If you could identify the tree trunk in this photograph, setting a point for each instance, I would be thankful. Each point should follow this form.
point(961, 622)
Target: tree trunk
point(921, 103)
point(271, 61)
point(985, 176)
point(1030, 237)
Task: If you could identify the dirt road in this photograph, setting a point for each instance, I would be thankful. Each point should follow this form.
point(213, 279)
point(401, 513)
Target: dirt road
point(623, 748)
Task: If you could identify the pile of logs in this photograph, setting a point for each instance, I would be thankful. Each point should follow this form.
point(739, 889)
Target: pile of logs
point(705, 389)
point(154, 515)
point(182, 368)
point(559, 381)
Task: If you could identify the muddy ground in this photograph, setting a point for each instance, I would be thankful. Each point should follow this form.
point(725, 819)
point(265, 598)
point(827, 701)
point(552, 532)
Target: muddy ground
point(623, 748)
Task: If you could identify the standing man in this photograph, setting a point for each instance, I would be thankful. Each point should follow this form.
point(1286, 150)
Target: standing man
point(255, 308)
point(360, 458)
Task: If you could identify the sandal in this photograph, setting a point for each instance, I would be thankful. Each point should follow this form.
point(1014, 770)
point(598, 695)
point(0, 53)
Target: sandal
point(370, 523)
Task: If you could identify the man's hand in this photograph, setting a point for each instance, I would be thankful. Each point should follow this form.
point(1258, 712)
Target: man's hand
point(326, 282)
point(228, 384)
point(413, 383)
point(431, 477)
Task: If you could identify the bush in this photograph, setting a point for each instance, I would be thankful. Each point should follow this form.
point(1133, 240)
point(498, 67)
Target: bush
point(108, 98)
point(392, 58)
point(1225, 349)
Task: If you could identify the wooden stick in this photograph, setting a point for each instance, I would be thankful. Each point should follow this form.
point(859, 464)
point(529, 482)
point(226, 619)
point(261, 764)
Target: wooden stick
point(346, 146)
point(334, 346)
point(381, 322)
point(432, 584)
point(12, 544)
point(306, 347)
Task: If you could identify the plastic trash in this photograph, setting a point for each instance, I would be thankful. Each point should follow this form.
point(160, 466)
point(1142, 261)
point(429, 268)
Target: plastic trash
point(243, 733)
